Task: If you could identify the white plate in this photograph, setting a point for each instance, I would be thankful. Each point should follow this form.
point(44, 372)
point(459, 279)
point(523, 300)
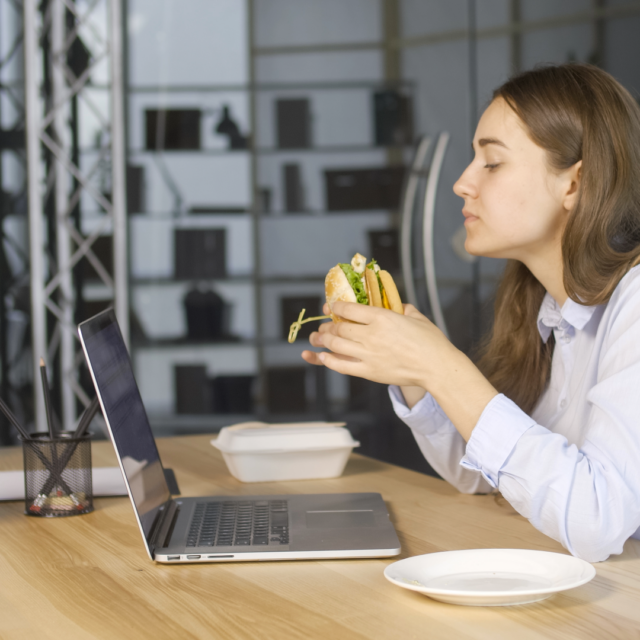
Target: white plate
point(490, 577)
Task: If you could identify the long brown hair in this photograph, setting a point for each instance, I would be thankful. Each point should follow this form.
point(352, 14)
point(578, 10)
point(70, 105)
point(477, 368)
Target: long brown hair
point(575, 112)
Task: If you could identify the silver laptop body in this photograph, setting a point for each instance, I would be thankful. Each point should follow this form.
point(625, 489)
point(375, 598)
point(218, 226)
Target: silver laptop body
point(219, 528)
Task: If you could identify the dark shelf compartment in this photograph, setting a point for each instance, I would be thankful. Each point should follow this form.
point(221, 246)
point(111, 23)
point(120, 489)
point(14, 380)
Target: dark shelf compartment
point(171, 424)
point(321, 213)
point(200, 152)
point(166, 281)
point(273, 86)
point(141, 343)
point(195, 213)
point(338, 148)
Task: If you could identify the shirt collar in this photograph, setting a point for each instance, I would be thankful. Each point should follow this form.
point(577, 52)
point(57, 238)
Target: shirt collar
point(551, 316)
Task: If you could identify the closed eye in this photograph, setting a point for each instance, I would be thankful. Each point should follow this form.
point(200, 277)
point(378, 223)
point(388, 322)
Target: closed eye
point(491, 167)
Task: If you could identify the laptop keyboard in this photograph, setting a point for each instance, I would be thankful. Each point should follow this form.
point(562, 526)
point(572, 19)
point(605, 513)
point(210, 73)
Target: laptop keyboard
point(241, 523)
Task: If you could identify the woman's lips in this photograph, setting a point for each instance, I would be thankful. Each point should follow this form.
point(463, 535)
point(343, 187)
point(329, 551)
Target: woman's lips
point(468, 216)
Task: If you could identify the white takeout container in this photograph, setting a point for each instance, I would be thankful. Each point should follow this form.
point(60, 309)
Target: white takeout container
point(261, 452)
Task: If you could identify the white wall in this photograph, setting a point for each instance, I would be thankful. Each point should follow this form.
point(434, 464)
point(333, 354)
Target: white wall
point(295, 22)
point(187, 42)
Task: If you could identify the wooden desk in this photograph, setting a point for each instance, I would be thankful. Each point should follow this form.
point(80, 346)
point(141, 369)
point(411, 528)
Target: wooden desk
point(90, 577)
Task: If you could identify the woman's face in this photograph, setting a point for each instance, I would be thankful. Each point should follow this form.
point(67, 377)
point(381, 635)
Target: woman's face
point(514, 206)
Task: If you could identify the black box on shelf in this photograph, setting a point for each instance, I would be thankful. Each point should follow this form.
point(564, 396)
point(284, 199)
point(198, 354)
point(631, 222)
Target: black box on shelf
point(292, 188)
point(286, 390)
point(264, 199)
point(207, 315)
point(290, 308)
point(363, 189)
point(200, 253)
point(172, 129)
point(393, 118)
point(384, 246)
point(193, 389)
point(233, 394)
point(102, 248)
point(136, 202)
point(293, 123)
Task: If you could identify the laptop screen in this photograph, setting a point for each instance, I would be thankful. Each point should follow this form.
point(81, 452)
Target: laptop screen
point(126, 417)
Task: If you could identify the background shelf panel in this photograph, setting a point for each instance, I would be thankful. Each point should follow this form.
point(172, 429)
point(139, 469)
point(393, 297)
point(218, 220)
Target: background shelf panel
point(162, 315)
point(152, 243)
point(179, 180)
point(311, 168)
point(171, 424)
point(322, 213)
point(210, 105)
point(188, 343)
point(158, 390)
point(335, 85)
point(168, 44)
point(165, 281)
point(311, 246)
point(330, 149)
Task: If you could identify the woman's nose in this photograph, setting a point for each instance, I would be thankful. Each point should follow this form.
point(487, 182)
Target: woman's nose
point(464, 186)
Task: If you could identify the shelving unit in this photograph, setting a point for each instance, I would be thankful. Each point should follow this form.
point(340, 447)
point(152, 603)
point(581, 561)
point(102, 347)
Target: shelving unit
point(270, 254)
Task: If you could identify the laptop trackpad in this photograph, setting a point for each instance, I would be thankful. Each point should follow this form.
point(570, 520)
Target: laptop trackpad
point(340, 519)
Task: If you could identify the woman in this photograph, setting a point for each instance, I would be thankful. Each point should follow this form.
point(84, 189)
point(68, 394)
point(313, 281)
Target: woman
point(550, 416)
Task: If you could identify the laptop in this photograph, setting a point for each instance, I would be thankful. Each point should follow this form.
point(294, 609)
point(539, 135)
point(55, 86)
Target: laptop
point(220, 528)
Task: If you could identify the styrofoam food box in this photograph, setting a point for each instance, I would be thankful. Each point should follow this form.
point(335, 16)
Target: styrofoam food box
point(261, 452)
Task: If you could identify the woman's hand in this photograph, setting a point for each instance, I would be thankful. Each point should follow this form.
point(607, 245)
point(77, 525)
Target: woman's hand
point(380, 345)
point(406, 350)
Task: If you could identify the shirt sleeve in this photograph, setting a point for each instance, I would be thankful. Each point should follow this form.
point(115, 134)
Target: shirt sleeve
point(587, 497)
point(439, 441)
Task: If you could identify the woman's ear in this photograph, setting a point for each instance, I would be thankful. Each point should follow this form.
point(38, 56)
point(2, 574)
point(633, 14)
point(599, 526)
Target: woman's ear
point(572, 185)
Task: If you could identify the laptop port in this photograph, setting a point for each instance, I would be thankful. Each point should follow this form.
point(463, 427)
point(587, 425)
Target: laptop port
point(193, 557)
point(173, 557)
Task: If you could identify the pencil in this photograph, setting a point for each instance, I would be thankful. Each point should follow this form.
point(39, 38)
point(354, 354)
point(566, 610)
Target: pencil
point(53, 472)
point(85, 421)
point(47, 398)
point(13, 420)
point(86, 418)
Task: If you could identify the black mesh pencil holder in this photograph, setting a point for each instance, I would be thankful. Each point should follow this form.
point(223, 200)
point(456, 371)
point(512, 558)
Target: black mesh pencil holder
point(57, 475)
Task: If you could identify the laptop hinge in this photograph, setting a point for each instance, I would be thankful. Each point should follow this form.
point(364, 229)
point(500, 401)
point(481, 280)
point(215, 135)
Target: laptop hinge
point(163, 526)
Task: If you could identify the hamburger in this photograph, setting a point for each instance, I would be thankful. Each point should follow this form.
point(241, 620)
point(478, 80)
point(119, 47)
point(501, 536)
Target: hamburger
point(362, 282)
point(355, 282)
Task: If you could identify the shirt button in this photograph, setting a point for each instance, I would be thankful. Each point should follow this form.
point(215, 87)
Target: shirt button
point(566, 339)
point(563, 404)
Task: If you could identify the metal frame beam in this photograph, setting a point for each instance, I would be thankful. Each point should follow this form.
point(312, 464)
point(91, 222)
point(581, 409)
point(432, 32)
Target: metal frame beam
point(52, 290)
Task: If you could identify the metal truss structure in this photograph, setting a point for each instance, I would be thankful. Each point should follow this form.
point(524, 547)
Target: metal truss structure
point(76, 188)
point(15, 378)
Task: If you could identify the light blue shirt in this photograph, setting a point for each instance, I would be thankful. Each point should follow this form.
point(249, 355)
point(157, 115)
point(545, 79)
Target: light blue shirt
point(572, 467)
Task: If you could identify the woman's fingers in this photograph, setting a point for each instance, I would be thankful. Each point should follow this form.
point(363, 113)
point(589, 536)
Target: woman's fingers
point(342, 346)
point(312, 357)
point(325, 326)
point(341, 364)
point(360, 313)
point(315, 339)
point(380, 345)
